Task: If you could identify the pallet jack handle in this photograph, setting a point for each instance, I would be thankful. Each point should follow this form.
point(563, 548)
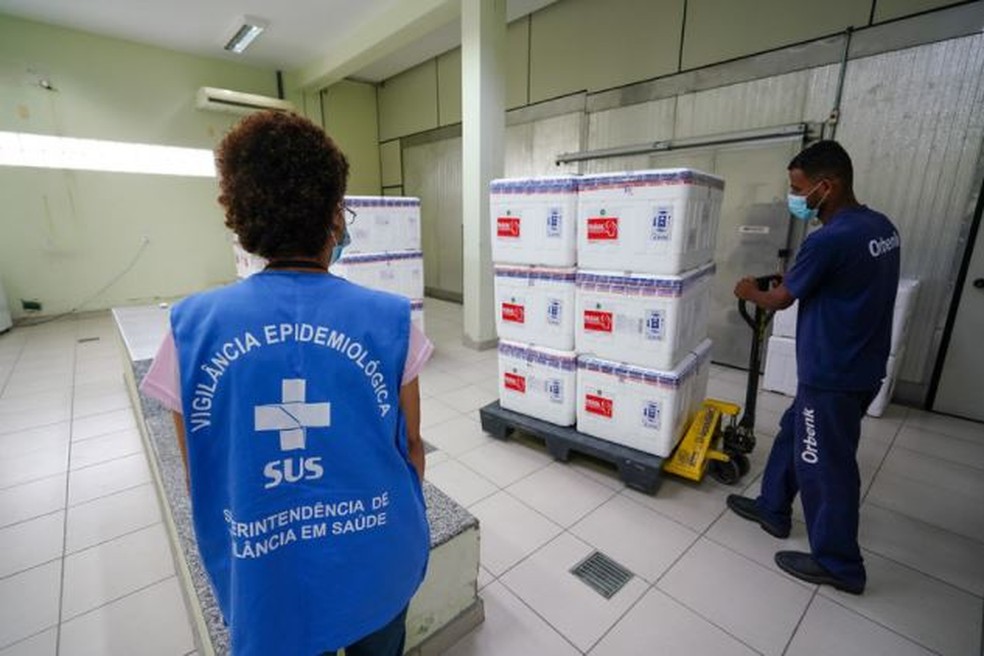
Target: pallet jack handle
point(758, 323)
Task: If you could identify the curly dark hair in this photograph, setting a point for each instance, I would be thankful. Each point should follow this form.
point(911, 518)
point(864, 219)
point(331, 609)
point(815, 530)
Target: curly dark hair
point(825, 158)
point(282, 181)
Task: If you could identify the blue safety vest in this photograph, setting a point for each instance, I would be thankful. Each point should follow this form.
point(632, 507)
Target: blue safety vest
point(309, 515)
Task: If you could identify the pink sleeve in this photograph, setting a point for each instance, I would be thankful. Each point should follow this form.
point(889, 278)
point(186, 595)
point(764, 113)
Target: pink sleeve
point(418, 354)
point(162, 381)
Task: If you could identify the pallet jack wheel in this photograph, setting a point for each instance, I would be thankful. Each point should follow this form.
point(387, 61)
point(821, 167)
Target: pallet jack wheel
point(743, 463)
point(726, 472)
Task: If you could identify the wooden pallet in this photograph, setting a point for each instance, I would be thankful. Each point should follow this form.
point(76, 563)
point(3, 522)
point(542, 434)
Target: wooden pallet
point(638, 470)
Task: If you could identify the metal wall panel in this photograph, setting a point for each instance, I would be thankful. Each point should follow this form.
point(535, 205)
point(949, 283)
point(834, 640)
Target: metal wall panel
point(432, 172)
point(913, 121)
point(634, 124)
point(767, 102)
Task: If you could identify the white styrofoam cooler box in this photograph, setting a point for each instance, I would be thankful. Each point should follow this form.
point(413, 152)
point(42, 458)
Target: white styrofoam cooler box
point(537, 381)
point(6, 321)
point(660, 222)
point(533, 220)
point(535, 305)
point(784, 321)
point(641, 408)
point(246, 263)
point(399, 273)
point(702, 374)
point(642, 319)
point(905, 301)
point(417, 313)
point(781, 376)
point(780, 366)
point(884, 397)
point(384, 223)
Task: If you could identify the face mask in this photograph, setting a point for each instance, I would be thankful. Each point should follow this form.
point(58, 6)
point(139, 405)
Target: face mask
point(336, 252)
point(798, 207)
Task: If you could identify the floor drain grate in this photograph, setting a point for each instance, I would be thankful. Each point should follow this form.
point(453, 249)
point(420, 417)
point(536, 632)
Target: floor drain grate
point(88, 339)
point(602, 573)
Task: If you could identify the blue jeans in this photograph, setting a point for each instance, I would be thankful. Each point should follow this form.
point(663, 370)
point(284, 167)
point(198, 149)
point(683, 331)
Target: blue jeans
point(815, 455)
point(387, 641)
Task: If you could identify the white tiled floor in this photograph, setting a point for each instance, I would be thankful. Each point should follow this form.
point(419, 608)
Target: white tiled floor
point(705, 580)
point(85, 566)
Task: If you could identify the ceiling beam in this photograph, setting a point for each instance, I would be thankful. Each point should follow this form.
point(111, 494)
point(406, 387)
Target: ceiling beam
point(404, 23)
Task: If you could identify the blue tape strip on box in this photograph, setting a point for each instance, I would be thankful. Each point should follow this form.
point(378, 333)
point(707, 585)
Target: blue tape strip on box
point(381, 201)
point(537, 356)
point(366, 258)
point(531, 273)
point(665, 178)
point(667, 379)
point(640, 285)
point(523, 186)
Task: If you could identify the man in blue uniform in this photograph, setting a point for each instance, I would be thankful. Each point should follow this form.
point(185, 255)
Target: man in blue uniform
point(845, 278)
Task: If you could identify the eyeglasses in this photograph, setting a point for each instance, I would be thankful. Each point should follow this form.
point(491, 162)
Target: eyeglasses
point(349, 214)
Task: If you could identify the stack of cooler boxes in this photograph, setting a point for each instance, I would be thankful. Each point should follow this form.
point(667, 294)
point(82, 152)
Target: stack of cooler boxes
point(534, 247)
point(780, 364)
point(617, 345)
point(384, 254)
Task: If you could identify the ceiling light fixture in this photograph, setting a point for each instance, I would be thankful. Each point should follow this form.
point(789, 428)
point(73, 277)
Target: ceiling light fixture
point(249, 28)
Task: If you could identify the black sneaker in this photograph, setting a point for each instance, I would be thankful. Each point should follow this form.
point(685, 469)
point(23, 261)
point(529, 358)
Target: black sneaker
point(804, 567)
point(748, 509)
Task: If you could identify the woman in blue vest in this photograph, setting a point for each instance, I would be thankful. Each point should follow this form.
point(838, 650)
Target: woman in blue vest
point(299, 423)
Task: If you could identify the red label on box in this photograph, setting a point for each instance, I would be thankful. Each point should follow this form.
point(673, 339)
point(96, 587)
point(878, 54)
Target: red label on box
point(597, 321)
point(514, 313)
point(599, 405)
point(602, 228)
point(508, 226)
point(516, 382)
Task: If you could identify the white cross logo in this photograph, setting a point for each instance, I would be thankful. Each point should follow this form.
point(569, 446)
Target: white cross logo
point(292, 416)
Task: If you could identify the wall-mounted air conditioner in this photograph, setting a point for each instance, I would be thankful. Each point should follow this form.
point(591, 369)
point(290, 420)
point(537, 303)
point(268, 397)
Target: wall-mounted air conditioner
point(234, 102)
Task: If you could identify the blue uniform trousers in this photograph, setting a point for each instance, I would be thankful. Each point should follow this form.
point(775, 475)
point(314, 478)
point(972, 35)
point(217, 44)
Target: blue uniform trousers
point(815, 454)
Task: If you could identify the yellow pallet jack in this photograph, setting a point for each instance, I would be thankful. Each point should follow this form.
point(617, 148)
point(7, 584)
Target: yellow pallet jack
point(716, 439)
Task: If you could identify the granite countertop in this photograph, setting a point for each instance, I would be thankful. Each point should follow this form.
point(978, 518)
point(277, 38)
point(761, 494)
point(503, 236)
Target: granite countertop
point(447, 519)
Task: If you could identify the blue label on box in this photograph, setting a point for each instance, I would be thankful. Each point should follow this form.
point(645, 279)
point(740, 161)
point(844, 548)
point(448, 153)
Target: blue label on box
point(554, 222)
point(662, 219)
point(655, 324)
point(555, 389)
point(651, 415)
point(554, 311)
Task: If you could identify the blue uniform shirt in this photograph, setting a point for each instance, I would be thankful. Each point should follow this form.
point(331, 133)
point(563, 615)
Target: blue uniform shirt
point(309, 516)
point(846, 276)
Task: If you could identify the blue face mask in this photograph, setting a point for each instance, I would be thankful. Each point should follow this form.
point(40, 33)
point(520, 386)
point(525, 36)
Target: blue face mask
point(798, 207)
point(336, 252)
